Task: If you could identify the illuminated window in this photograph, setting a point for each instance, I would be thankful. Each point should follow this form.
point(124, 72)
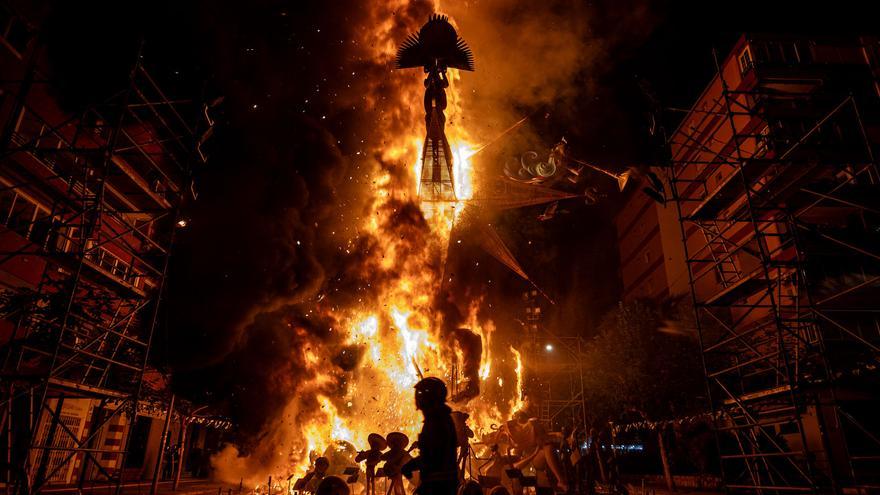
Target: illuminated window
point(69, 239)
point(745, 61)
point(763, 140)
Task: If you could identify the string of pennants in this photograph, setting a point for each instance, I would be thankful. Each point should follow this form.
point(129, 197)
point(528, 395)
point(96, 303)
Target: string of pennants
point(159, 408)
point(664, 423)
point(216, 423)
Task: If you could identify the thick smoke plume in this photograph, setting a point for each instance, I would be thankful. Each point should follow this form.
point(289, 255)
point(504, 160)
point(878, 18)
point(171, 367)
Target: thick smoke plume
point(310, 212)
point(534, 60)
point(537, 58)
point(310, 151)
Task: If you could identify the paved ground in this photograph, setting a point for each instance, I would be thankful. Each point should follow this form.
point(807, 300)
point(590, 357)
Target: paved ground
point(186, 487)
point(206, 487)
point(657, 490)
point(660, 489)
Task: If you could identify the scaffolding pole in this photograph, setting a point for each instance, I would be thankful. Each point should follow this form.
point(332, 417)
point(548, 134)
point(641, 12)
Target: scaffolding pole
point(103, 189)
point(767, 180)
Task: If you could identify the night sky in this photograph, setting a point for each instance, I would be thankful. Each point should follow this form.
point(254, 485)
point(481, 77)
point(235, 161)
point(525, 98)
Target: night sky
point(294, 123)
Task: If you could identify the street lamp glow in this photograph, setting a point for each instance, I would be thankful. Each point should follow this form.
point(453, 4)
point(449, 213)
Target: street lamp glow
point(549, 347)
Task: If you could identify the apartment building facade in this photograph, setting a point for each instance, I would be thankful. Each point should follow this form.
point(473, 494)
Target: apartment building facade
point(774, 179)
point(89, 204)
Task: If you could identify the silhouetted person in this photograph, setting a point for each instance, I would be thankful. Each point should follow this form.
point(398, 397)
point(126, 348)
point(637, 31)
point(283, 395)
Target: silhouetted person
point(332, 485)
point(438, 473)
point(170, 461)
point(470, 487)
point(195, 462)
point(535, 446)
point(316, 475)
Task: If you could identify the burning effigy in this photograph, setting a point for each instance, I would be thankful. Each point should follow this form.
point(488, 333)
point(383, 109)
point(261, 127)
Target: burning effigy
point(352, 414)
point(360, 379)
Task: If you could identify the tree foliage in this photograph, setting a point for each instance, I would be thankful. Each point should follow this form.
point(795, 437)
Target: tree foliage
point(645, 359)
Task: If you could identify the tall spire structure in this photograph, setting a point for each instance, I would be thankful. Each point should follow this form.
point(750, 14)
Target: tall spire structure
point(435, 48)
point(436, 182)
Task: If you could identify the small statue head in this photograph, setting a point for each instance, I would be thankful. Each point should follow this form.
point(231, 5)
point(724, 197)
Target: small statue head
point(397, 440)
point(322, 464)
point(377, 441)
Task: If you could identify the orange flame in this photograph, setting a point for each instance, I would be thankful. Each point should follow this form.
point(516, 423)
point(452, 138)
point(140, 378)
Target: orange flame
point(402, 333)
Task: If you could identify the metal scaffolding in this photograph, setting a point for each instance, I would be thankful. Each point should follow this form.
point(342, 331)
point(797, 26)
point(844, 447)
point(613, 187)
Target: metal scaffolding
point(99, 195)
point(556, 363)
point(776, 185)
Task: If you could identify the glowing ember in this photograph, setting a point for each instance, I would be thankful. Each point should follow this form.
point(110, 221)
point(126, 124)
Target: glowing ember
point(392, 341)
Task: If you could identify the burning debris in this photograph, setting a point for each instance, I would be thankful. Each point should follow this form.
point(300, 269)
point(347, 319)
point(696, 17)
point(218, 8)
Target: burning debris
point(325, 328)
point(450, 455)
point(347, 348)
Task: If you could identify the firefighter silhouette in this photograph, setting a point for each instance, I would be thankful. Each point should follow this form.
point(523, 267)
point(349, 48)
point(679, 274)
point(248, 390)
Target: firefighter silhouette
point(437, 443)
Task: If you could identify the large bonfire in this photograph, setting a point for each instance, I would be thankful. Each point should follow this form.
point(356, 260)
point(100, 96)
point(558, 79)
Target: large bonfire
point(365, 383)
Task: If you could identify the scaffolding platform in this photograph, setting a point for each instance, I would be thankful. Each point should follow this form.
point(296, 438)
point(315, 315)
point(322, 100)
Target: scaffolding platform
point(777, 190)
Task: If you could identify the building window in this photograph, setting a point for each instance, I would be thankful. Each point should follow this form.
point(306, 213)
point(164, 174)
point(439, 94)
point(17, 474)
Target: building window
point(763, 141)
point(23, 216)
point(43, 228)
point(782, 52)
point(745, 61)
point(111, 263)
point(145, 227)
point(789, 428)
point(7, 198)
point(790, 53)
point(14, 32)
point(68, 241)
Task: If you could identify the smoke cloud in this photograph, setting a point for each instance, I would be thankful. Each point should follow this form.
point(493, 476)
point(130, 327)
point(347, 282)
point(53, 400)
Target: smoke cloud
point(312, 146)
point(536, 58)
point(276, 252)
